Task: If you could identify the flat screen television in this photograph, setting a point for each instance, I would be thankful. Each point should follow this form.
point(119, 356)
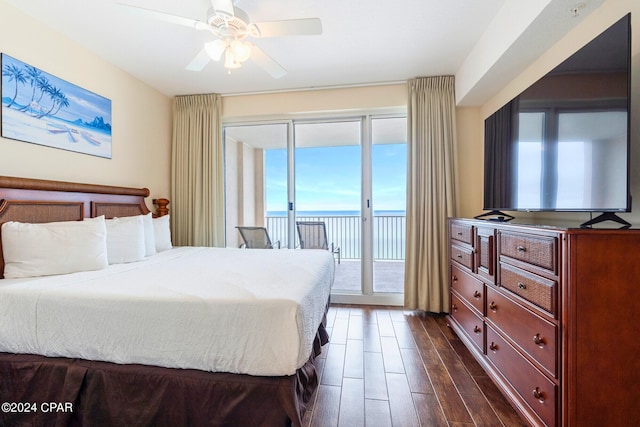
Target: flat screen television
point(563, 143)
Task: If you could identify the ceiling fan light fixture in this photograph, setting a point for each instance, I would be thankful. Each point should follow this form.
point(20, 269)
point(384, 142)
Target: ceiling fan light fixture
point(241, 50)
point(230, 61)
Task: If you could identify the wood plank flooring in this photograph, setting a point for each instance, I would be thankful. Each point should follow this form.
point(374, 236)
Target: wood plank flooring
point(391, 367)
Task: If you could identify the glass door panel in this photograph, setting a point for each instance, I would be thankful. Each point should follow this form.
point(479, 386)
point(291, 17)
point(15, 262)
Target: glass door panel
point(328, 189)
point(389, 179)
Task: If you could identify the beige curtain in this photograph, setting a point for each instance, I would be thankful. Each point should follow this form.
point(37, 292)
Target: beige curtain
point(197, 174)
point(431, 142)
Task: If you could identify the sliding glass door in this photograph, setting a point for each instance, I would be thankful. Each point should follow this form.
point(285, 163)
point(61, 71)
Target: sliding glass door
point(328, 180)
point(347, 173)
point(389, 189)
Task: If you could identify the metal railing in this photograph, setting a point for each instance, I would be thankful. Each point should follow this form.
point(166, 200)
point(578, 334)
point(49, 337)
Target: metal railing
point(345, 231)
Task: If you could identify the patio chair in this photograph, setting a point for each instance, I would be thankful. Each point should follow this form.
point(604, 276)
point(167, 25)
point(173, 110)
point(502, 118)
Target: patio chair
point(256, 238)
point(313, 235)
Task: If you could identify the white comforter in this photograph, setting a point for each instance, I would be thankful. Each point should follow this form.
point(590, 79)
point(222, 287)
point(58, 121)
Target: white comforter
point(224, 310)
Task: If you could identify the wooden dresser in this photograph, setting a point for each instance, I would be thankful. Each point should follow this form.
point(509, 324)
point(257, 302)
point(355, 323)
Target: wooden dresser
point(553, 316)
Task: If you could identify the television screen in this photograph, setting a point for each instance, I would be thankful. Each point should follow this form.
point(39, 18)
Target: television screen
point(563, 143)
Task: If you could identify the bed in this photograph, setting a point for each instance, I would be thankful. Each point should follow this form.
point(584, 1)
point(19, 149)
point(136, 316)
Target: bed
point(185, 336)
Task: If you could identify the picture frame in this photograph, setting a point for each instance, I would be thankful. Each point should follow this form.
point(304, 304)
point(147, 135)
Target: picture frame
point(40, 108)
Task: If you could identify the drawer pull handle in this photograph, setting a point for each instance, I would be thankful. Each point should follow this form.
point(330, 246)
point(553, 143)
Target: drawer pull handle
point(493, 347)
point(538, 394)
point(477, 294)
point(454, 278)
point(459, 255)
point(538, 340)
point(459, 233)
point(454, 307)
point(493, 306)
point(477, 329)
point(522, 285)
point(521, 249)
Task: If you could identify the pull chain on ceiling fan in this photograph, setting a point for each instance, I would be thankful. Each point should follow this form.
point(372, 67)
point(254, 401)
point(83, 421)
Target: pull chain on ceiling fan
point(230, 27)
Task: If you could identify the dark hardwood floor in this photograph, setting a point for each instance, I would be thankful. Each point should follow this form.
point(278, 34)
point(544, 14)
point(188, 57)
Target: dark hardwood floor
point(392, 367)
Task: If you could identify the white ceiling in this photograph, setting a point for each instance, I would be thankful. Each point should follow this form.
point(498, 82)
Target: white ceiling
point(363, 41)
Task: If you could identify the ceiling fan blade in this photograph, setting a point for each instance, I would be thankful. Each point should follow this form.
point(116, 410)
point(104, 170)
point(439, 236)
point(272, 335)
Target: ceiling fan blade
point(199, 62)
point(166, 17)
point(290, 27)
point(267, 63)
point(223, 7)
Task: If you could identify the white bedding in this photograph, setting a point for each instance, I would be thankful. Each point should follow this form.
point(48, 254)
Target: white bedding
point(223, 310)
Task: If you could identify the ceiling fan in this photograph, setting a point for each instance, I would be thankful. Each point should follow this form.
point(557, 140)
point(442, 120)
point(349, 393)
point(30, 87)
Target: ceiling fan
point(231, 27)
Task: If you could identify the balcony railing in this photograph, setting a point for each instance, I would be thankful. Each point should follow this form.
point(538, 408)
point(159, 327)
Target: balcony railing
point(345, 231)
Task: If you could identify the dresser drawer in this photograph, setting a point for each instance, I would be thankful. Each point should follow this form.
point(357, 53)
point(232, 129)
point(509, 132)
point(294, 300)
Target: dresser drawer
point(461, 232)
point(535, 336)
point(537, 250)
point(469, 321)
point(463, 255)
point(538, 391)
point(469, 288)
point(540, 291)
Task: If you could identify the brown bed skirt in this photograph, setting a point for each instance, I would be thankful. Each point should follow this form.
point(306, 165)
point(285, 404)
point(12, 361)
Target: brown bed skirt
point(44, 391)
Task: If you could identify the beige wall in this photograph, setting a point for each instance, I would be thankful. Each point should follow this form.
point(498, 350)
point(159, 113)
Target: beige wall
point(470, 166)
point(141, 116)
point(470, 177)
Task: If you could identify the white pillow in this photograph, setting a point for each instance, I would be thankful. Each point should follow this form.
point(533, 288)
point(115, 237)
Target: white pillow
point(149, 235)
point(162, 231)
point(32, 250)
point(125, 239)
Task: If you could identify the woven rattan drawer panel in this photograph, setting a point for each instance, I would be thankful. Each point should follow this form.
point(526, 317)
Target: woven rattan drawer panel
point(536, 250)
point(540, 291)
point(462, 232)
point(462, 255)
point(485, 258)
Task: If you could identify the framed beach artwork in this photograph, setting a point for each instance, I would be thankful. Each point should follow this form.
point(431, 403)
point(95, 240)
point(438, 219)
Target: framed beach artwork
point(43, 109)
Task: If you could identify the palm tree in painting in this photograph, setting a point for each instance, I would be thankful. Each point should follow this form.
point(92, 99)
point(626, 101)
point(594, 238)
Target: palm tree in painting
point(53, 93)
point(62, 101)
point(58, 100)
point(14, 74)
point(44, 86)
point(34, 76)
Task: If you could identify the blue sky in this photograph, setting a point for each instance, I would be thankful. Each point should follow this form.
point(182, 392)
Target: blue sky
point(329, 178)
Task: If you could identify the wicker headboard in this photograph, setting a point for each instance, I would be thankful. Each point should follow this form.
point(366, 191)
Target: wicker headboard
point(36, 201)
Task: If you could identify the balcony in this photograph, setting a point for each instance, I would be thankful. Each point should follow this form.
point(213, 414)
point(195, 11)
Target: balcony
point(345, 231)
